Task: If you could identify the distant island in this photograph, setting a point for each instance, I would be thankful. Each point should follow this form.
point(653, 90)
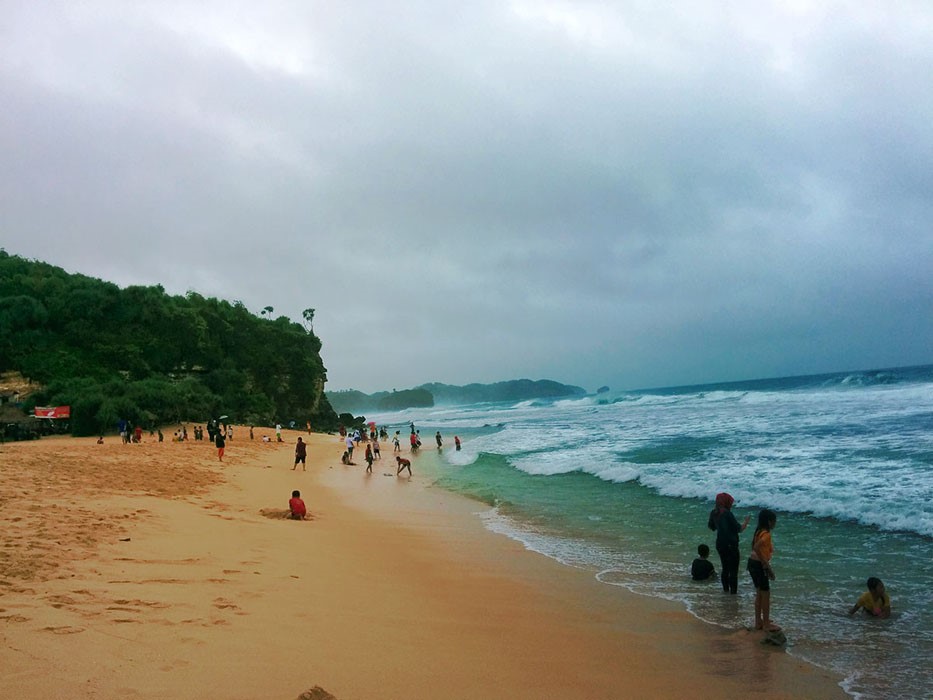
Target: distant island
point(435, 393)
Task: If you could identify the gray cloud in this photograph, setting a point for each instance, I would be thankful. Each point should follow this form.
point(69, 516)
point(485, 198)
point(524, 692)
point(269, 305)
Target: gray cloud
point(591, 192)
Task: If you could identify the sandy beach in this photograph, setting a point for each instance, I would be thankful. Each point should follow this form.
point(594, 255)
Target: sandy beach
point(154, 571)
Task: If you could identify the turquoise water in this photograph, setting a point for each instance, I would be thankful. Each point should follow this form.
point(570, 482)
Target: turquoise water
point(621, 485)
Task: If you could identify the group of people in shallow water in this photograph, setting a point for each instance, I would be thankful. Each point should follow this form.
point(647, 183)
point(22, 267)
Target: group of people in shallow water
point(373, 452)
point(875, 601)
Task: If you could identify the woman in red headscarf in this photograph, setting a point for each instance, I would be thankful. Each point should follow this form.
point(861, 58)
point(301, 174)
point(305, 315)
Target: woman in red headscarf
point(727, 530)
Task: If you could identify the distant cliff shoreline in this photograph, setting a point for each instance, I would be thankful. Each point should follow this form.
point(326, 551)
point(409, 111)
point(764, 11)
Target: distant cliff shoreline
point(437, 394)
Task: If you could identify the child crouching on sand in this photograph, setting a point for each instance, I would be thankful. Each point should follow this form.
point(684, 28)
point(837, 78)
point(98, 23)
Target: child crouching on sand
point(875, 601)
point(296, 507)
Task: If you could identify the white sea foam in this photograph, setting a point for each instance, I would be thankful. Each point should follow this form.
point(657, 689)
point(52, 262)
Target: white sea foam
point(848, 454)
point(810, 451)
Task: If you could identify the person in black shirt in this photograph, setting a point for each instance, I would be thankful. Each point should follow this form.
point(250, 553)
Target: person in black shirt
point(727, 529)
point(702, 569)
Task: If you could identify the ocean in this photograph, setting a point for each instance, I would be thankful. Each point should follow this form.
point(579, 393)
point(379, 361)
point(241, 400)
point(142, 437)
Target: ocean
point(620, 484)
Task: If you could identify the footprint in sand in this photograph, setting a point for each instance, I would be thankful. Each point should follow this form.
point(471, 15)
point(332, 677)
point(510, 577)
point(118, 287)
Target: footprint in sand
point(14, 618)
point(223, 604)
point(174, 666)
point(65, 629)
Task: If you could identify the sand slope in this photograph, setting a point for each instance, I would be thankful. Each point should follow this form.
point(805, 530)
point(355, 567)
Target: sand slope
point(152, 571)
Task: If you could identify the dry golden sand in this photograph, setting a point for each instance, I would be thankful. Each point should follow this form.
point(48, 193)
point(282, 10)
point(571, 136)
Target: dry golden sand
point(152, 571)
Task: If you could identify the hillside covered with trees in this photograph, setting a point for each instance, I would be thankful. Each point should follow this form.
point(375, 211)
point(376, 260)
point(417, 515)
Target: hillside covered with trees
point(152, 358)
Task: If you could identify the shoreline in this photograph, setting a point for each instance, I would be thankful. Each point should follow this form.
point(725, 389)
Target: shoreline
point(394, 589)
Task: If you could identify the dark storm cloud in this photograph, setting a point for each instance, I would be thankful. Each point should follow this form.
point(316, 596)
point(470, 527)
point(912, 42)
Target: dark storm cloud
point(598, 193)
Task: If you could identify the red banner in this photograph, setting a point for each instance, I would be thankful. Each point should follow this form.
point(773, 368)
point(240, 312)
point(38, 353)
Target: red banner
point(53, 412)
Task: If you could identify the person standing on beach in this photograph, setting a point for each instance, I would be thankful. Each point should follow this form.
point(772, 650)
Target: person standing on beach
point(437, 439)
point(349, 443)
point(301, 453)
point(759, 567)
point(369, 458)
point(221, 443)
point(457, 442)
point(278, 432)
point(376, 453)
point(395, 444)
point(727, 529)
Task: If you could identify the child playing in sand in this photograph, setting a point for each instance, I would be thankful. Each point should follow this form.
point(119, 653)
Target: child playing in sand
point(875, 601)
point(296, 507)
point(702, 568)
point(759, 566)
point(403, 464)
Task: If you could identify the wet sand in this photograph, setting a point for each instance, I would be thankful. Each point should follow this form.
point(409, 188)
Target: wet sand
point(154, 571)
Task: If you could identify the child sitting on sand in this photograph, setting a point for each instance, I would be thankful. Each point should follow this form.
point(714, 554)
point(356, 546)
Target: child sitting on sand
point(875, 601)
point(702, 569)
point(296, 507)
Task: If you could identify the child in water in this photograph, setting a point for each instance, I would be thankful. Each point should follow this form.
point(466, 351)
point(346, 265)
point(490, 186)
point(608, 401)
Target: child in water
point(875, 601)
point(702, 568)
point(759, 566)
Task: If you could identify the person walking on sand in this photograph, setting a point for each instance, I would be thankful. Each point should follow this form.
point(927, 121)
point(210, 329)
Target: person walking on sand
point(301, 452)
point(403, 464)
point(369, 458)
point(395, 445)
point(727, 529)
point(759, 566)
point(221, 443)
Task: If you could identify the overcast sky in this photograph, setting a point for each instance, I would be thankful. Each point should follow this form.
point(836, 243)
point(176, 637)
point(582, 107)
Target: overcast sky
point(635, 193)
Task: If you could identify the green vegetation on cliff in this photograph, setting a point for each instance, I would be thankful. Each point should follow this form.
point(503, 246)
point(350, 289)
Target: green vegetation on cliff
point(448, 394)
point(512, 390)
point(141, 354)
